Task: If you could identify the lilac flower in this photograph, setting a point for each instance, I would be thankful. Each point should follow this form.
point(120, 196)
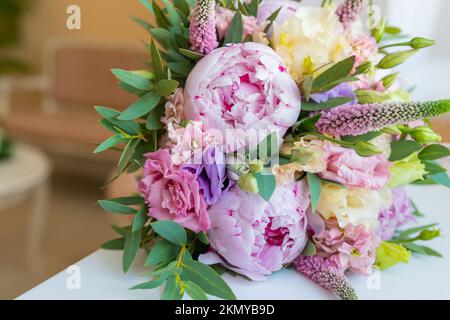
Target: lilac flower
point(348, 12)
point(398, 214)
point(211, 175)
point(359, 119)
point(340, 91)
point(202, 30)
point(323, 272)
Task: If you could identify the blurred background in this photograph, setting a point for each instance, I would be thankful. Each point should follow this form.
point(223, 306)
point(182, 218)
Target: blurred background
point(50, 79)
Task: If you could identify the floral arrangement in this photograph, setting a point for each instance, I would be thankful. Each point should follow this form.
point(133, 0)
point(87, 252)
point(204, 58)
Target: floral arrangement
point(269, 135)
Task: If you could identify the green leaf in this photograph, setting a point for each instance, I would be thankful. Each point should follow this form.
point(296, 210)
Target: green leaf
point(389, 80)
point(164, 37)
point(331, 103)
point(194, 291)
point(141, 107)
point(171, 268)
point(253, 7)
point(132, 243)
point(422, 250)
point(203, 238)
point(307, 124)
point(112, 206)
point(394, 59)
point(434, 152)
point(335, 73)
point(235, 31)
point(162, 252)
point(160, 17)
point(140, 219)
point(144, 24)
point(309, 250)
point(271, 19)
point(107, 113)
point(190, 54)
point(121, 231)
point(183, 6)
point(115, 244)
point(166, 87)
point(402, 149)
point(129, 127)
point(336, 83)
point(441, 178)
point(157, 62)
point(128, 201)
point(433, 167)
point(405, 234)
point(172, 14)
point(371, 96)
point(154, 118)
point(266, 185)
point(155, 283)
point(172, 290)
point(171, 231)
point(207, 279)
point(126, 156)
point(181, 68)
point(315, 187)
point(364, 137)
point(135, 80)
point(110, 142)
point(307, 87)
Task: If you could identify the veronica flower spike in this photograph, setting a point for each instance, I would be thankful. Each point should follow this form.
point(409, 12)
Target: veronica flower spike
point(354, 120)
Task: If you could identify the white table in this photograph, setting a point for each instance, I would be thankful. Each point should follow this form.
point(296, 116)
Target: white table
point(101, 276)
point(23, 175)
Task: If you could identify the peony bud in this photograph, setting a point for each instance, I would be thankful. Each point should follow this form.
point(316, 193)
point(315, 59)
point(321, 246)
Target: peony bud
point(425, 135)
point(248, 182)
point(366, 149)
point(419, 43)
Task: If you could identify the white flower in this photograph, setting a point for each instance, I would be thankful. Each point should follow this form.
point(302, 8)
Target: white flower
point(353, 206)
point(313, 32)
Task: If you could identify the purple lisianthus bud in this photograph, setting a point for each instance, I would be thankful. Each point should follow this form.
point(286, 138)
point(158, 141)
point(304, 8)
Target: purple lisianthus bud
point(343, 90)
point(211, 175)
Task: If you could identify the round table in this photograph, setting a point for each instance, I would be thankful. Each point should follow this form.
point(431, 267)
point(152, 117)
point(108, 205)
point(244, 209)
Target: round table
point(26, 174)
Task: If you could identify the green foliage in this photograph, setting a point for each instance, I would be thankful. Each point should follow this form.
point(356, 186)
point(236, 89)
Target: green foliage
point(335, 75)
point(266, 185)
point(170, 231)
point(235, 31)
point(315, 187)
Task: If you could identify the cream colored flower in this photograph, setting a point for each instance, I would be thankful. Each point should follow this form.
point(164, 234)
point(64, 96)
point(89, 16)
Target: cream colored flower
point(353, 206)
point(312, 32)
point(383, 143)
point(312, 158)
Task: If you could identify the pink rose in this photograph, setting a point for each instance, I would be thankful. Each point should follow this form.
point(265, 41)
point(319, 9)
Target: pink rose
point(242, 87)
point(254, 237)
point(173, 194)
point(345, 166)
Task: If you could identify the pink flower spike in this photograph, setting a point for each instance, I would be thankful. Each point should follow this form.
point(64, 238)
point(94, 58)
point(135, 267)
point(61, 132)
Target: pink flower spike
point(348, 12)
point(202, 29)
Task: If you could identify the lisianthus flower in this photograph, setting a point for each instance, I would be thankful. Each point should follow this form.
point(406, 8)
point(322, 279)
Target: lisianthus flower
point(398, 214)
point(255, 238)
point(352, 247)
point(242, 88)
point(352, 206)
point(172, 193)
point(314, 33)
point(346, 167)
point(223, 22)
point(211, 174)
point(406, 171)
point(343, 90)
point(174, 108)
point(312, 158)
point(365, 48)
point(189, 141)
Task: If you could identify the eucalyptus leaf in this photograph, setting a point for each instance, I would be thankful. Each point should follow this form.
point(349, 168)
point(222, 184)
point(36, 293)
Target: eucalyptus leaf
point(331, 103)
point(170, 231)
point(190, 54)
point(140, 218)
point(132, 79)
point(112, 206)
point(157, 62)
point(110, 142)
point(154, 118)
point(172, 290)
point(155, 283)
point(235, 31)
point(115, 244)
point(131, 247)
point(402, 149)
point(141, 107)
point(127, 155)
point(161, 253)
point(315, 187)
point(166, 87)
point(194, 291)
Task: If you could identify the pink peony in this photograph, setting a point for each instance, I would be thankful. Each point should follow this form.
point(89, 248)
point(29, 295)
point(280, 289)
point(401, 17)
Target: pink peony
point(243, 86)
point(353, 247)
point(225, 16)
point(398, 214)
point(173, 194)
point(254, 237)
point(345, 166)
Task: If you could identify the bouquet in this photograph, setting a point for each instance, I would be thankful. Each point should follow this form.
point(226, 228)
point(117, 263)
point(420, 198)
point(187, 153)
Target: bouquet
point(268, 135)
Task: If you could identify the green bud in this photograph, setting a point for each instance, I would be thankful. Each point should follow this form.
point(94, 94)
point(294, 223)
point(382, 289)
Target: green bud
point(389, 80)
point(420, 43)
point(427, 235)
point(425, 135)
point(256, 166)
point(366, 149)
point(391, 130)
point(301, 155)
point(248, 182)
point(378, 32)
point(390, 254)
point(364, 68)
point(394, 59)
